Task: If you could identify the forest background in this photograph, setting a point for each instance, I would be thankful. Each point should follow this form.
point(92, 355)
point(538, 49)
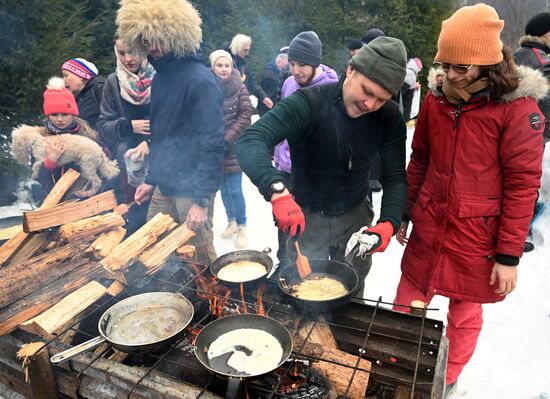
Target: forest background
point(37, 36)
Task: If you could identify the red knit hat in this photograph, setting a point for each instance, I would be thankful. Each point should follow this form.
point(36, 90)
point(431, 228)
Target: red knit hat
point(59, 100)
point(471, 36)
point(80, 67)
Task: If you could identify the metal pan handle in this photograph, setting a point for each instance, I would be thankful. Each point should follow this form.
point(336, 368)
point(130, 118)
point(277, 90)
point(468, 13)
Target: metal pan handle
point(69, 353)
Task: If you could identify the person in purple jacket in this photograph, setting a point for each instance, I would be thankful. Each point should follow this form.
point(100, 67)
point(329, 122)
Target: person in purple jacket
point(304, 59)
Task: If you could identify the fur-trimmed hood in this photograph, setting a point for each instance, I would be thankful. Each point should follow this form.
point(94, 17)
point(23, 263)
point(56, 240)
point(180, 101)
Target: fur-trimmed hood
point(532, 84)
point(535, 41)
point(175, 23)
point(232, 84)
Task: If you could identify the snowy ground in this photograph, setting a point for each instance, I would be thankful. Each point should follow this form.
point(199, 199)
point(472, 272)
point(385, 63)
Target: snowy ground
point(512, 360)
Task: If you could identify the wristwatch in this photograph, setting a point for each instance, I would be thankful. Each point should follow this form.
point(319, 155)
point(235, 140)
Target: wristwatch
point(276, 187)
point(202, 202)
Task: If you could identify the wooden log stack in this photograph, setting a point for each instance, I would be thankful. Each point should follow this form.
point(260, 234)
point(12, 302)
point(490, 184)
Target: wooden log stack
point(69, 253)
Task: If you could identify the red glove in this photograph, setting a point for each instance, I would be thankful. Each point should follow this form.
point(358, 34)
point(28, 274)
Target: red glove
point(384, 231)
point(288, 215)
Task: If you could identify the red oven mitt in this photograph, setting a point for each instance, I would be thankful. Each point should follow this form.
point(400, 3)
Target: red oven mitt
point(288, 215)
point(384, 231)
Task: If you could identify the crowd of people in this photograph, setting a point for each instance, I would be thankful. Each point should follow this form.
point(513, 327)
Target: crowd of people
point(181, 130)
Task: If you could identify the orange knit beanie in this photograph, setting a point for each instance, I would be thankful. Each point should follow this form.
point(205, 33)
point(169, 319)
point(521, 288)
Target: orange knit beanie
point(471, 36)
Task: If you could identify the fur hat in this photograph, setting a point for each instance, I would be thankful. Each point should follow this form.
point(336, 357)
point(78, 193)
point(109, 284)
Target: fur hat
point(306, 48)
point(471, 36)
point(80, 67)
point(175, 23)
point(57, 99)
point(214, 55)
point(538, 25)
point(372, 34)
point(383, 61)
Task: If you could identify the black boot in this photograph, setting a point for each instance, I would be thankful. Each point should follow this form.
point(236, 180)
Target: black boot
point(528, 246)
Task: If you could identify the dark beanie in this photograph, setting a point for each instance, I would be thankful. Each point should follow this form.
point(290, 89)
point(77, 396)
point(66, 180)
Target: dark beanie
point(538, 25)
point(355, 44)
point(306, 48)
point(372, 34)
point(384, 61)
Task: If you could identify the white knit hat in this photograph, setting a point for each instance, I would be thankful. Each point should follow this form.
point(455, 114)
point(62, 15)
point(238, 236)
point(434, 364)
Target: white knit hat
point(214, 55)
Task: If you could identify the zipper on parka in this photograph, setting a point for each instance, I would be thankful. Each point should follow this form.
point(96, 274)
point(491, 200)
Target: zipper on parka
point(457, 114)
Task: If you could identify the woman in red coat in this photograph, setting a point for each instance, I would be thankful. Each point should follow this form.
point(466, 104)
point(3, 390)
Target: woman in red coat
point(472, 178)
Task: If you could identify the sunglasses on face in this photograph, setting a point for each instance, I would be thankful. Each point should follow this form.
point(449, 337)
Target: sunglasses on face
point(461, 69)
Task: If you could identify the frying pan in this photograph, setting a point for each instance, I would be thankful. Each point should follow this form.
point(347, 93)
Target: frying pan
point(342, 272)
point(218, 365)
point(243, 255)
point(139, 323)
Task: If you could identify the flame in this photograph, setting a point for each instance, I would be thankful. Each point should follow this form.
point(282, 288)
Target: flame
point(208, 288)
point(260, 305)
point(242, 299)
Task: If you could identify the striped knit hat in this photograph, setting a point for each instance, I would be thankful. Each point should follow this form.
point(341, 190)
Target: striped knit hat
point(471, 36)
point(80, 67)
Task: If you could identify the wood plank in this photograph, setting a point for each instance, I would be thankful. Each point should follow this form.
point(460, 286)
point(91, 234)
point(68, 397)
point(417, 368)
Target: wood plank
point(56, 319)
point(129, 249)
point(27, 277)
point(90, 227)
point(30, 306)
point(68, 212)
point(106, 242)
point(13, 245)
point(9, 232)
point(155, 257)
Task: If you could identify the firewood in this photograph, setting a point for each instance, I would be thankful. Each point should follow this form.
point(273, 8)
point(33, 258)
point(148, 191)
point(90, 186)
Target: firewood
point(153, 258)
point(320, 332)
point(33, 304)
point(105, 243)
point(22, 279)
point(9, 232)
point(129, 249)
point(115, 288)
point(13, 245)
point(54, 320)
point(339, 376)
point(90, 227)
point(186, 250)
point(68, 212)
point(34, 244)
point(38, 370)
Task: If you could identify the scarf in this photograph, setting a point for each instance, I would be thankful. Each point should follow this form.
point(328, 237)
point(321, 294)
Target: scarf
point(456, 96)
point(135, 88)
point(71, 129)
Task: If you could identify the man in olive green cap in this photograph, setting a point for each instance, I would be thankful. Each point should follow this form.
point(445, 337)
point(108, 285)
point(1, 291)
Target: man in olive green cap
point(334, 132)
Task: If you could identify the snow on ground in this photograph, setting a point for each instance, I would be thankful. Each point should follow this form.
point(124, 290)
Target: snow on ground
point(512, 360)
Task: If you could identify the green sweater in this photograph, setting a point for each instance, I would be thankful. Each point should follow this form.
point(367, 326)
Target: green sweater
point(330, 152)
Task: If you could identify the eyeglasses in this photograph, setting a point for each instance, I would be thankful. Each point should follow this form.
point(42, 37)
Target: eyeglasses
point(461, 69)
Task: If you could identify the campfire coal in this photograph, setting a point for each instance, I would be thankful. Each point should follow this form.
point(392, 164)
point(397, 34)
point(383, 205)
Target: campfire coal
point(407, 353)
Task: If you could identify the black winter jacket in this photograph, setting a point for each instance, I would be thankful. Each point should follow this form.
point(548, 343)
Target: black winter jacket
point(248, 78)
point(534, 52)
point(89, 100)
point(187, 128)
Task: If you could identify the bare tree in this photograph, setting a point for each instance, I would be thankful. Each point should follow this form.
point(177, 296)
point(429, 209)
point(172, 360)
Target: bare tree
point(515, 15)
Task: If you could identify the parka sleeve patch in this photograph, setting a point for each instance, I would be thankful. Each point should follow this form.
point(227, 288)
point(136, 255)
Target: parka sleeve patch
point(535, 120)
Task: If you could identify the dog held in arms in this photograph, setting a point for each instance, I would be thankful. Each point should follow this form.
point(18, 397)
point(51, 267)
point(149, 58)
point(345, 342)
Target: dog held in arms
point(29, 144)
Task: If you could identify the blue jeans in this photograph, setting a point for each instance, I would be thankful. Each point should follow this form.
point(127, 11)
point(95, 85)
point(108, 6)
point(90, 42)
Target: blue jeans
point(233, 198)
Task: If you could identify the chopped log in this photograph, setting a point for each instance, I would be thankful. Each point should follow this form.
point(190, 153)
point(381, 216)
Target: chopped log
point(36, 360)
point(105, 243)
point(186, 251)
point(25, 278)
point(56, 319)
point(37, 302)
point(339, 376)
point(54, 196)
point(115, 288)
point(154, 258)
point(68, 212)
point(90, 227)
point(129, 249)
point(320, 332)
point(34, 244)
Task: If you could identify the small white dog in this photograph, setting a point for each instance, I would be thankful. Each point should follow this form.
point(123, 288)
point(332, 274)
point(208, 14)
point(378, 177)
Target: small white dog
point(28, 143)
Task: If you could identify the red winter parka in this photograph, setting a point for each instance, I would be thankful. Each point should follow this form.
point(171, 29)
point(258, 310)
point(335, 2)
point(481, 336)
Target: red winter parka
point(473, 178)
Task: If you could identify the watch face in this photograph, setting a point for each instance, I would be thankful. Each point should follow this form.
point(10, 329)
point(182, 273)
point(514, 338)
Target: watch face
point(278, 187)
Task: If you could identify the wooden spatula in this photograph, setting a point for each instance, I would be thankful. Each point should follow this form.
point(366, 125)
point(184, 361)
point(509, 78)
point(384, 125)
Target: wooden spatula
point(302, 263)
